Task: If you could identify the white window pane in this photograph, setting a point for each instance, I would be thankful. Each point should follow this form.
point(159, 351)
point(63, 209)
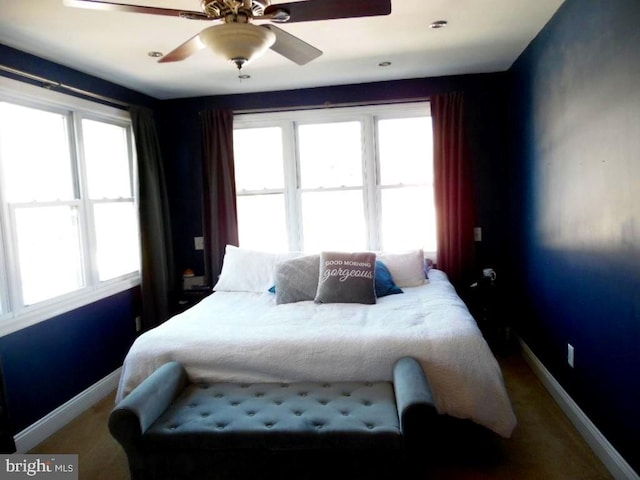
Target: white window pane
point(106, 156)
point(49, 252)
point(262, 222)
point(34, 149)
point(330, 155)
point(333, 221)
point(258, 158)
point(117, 239)
point(408, 219)
point(405, 151)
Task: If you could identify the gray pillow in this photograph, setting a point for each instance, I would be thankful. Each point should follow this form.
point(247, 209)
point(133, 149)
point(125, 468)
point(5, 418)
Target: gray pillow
point(347, 278)
point(297, 279)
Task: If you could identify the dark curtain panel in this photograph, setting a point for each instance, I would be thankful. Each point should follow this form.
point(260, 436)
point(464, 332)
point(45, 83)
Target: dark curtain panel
point(453, 188)
point(7, 444)
point(158, 283)
point(219, 189)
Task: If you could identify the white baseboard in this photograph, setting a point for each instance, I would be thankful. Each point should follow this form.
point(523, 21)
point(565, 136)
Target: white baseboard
point(612, 460)
point(36, 433)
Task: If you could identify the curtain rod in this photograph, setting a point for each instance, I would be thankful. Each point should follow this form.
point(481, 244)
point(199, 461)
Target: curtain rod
point(329, 105)
point(49, 84)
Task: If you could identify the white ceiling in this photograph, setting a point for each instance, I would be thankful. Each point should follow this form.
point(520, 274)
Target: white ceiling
point(482, 36)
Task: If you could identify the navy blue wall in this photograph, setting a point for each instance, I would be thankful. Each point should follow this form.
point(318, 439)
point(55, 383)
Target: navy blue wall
point(486, 102)
point(49, 363)
point(577, 99)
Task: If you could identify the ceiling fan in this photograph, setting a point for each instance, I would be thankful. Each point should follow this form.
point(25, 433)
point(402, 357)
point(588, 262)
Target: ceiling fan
point(237, 37)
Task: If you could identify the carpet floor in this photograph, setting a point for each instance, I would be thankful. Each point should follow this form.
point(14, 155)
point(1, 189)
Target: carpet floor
point(544, 445)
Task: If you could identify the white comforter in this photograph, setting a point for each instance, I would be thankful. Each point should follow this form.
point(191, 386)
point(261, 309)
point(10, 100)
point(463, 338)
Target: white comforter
point(246, 337)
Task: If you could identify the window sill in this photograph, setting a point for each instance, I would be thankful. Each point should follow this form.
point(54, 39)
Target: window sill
point(40, 312)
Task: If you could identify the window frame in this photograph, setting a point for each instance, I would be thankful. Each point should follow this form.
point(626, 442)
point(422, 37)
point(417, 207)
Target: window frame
point(371, 188)
point(16, 315)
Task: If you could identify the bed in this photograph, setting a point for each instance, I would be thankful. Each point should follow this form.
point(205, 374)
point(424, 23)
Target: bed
point(245, 332)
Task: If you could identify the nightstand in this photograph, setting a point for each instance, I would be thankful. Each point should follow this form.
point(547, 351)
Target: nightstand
point(487, 305)
point(188, 298)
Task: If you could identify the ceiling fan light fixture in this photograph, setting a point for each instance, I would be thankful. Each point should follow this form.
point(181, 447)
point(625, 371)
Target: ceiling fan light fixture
point(238, 42)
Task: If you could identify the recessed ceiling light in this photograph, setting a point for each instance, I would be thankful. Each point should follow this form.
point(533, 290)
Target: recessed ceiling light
point(155, 54)
point(439, 24)
point(384, 64)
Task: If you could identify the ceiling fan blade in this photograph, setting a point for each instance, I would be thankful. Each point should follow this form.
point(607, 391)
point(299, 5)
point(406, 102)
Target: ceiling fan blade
point(188, 48)
point(122, 7)
point(312, 10)
point(292, 47)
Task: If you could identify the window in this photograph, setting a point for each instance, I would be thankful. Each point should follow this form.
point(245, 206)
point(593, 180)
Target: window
point(343, 179)
point(261, 205)
point(69, 216)
point(108, 163)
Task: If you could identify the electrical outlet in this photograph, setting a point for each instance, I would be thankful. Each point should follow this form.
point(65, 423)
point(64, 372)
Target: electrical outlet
point(198, 243)
point(570, 352)
point(138, 323)
point(477, 234)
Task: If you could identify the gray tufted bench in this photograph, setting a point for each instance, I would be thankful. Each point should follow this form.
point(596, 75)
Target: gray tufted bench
point(171, 428)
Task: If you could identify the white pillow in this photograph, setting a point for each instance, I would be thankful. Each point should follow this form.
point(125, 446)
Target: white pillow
point(245, 270)
point(407, 268)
